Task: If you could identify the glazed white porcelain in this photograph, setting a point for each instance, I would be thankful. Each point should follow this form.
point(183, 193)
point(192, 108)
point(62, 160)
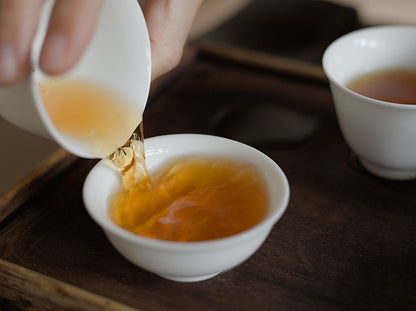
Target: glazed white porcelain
point(382, 134)
point(118, 57)
point(186, 261)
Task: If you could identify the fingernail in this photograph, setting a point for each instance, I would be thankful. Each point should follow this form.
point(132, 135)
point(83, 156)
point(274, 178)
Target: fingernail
point(53, 51)
point(8, 64)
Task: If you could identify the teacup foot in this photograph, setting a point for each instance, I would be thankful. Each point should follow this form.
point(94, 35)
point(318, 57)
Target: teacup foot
point(388, 172)
point(188, 279)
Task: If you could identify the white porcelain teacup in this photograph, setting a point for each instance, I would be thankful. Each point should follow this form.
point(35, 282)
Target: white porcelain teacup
point(187, 261)
point(382, 134)
point(117, 58)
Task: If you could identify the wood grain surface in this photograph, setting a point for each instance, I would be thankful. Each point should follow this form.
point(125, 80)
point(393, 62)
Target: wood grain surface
point(18, 194)
point(346, 241)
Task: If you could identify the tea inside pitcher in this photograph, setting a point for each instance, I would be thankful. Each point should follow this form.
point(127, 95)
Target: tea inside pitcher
point(89, 113)
point(392, 85)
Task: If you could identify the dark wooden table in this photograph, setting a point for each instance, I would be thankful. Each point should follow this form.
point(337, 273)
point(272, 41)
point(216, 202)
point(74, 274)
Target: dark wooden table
point(346, 242)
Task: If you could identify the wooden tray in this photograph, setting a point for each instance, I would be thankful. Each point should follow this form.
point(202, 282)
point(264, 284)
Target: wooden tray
point(346, 241)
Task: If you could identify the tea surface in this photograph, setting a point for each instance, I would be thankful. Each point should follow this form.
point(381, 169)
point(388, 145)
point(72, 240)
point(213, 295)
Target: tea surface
point(394, 85)
point(192, 199)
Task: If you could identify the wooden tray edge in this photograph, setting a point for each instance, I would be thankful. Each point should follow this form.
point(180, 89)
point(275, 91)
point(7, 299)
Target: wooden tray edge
point(26, 288)
point(19, 193)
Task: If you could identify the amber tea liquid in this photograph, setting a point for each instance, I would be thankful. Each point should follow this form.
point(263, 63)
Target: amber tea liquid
point(89, 112)
point(192, 199)
point(394, 85)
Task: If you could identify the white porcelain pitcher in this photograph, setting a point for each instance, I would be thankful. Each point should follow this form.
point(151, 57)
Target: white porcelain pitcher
point(118, 57)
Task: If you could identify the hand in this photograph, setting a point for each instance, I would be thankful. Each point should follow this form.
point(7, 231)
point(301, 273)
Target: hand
point(169, 23)
point(71, 27)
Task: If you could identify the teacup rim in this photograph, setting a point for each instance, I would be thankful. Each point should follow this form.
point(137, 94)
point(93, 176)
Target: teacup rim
point(342, 87)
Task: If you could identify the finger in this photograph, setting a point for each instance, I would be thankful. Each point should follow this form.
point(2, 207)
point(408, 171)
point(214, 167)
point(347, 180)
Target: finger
point(18, 24)
point(169, 23)
point(70, 28)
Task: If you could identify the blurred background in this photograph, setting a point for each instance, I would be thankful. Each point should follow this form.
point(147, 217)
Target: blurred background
point(293, 29)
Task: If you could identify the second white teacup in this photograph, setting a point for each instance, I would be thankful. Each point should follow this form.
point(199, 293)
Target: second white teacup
point(382, 134)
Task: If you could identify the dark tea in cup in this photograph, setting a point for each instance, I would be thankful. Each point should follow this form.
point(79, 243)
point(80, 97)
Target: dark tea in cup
point(391, 85)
